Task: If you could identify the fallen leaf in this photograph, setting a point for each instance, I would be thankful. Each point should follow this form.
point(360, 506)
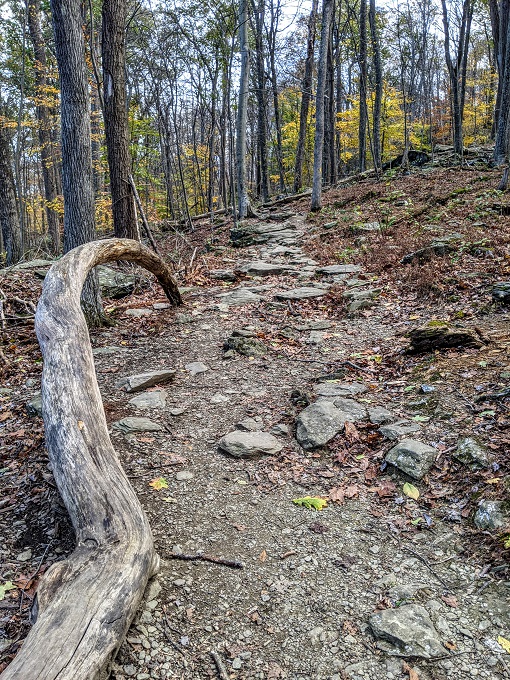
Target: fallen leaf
point(450, 600)
point(351, 432)
point(159, 483)
point(145, 440)
point(413, 675)
point(81, 424)
point(311, 502)
point(239, 527)
point(263, 556)
point(503, 642)
point(351, 491)
point(336, 495)
point(349, 627)
point(450, 645)
point(411, 491)
point(8, 585)
point(5, 415)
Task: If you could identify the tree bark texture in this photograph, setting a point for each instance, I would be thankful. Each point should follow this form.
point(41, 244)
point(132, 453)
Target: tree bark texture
point(77, 178)
point(327, 13)
point(116, 118)
point(9, 219)
point(378, 75)
point(48, 160)
point(363, 83)
point(262, 165)
point(306, 97)
point(503, 102)
point(85, 603)
point(242, 112)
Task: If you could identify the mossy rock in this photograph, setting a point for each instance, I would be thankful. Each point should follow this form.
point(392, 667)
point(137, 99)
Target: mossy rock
point(439, 335)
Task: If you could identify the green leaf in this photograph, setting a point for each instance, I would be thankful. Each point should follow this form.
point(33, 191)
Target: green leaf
point(483, 364)
point(159, 483)
point(409, 388)
point(311, 502)
point(421, 419)
point(488, 413)
point(8, 585)
point(411, 491)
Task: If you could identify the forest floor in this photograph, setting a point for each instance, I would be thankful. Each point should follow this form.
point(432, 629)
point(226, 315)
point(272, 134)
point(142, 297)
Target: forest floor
point(302, 606)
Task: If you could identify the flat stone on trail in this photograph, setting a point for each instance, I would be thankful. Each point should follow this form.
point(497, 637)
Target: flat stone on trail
point(184, 476)
point(196, 367)
point(136, 383)
point(250, 444)
point(159, 306)
point(301, 293)
point(333, 269)
point(108, 349)
point(264, 269)
point(137, 313)
point(471, 452)
point(240, 297)
point(223, 275)
point(400, 428)
point(352, 407)
point(318, 423)
point(155, 399)
point(340, 389)
point(380, 415)
point(250, 424)
point(412, 457)
point(409, 631)
point(132, 424)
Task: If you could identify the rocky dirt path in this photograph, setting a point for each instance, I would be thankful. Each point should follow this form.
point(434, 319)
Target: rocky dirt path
point(359, 590)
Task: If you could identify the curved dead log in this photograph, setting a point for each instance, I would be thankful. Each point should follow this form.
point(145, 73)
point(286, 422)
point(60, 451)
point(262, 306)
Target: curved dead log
point(86, 602)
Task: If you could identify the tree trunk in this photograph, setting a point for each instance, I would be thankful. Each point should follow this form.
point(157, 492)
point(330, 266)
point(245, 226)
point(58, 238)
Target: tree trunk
point(327, 13)
point(263, 176)
point(85, 603)
point(272, 33)
point(363, 81)
point(9, 217)
point(116, 118)
point(378, 74)
point(77, 181)
point(48, 161)
point(503, 131)
point(306, 97)
point(243, 205)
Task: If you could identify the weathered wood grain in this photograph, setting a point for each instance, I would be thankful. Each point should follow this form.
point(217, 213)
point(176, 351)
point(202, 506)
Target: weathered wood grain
point(86, 602)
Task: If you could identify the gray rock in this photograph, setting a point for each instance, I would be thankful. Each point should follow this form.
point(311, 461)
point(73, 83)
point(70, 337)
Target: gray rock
point(250, 444)
point(400, 428)
point(358, 305)
point(136, 383)
point(130, 670)
point(219, 398)
point(265, 269)
point(34, 406)
point(138, 313)
point(409, 631)
point(24, 556)
point(355, 294)
point(412, 457)
point(302, 293)
point(380, 415)
point(280, 430)
point(367, 226)
point(33, 264)
point(240, 297)
point(132, 424)
point(184, 476)
point(115, 284)
point(196, 367)
point(315, 338)
point(160, 306)
point(250, 424)
point(340, 389)
point(155, 399)
point(471, 452)
point(353, 408)
point(501, 292)
point(223, 275)
point(318, 423)
point(249, 347)
point(243, 333)
point(491, 515)
point(109, 349)
point(5, 390)
point(333, 269)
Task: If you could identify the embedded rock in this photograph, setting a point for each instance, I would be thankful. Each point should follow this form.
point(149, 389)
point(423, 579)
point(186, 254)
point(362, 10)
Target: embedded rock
point(196, 367)
point(438, 335)
point(141, 381)
point(471, 452)
point(34, 406)
point(333, 269)
point(247, 346)
point(353, 408)
point(339, 389)
point(380, 415)
point(318, 423)
point(501, 292)
point(155, 399)
point(400, 428)
point(265, 269)
point(250, 444)
point(302, 293)
point(240, 297)
point(409, 631)
point(412, 457)
point(115, 284)
point(491, 515)
point(131, 424)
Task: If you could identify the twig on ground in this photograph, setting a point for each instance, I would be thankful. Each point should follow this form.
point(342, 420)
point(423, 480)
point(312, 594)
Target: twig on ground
point(424, 561)
point(220, 667)
point(201, 557)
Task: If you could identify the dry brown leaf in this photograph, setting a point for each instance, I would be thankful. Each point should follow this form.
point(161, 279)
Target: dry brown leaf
point(4, 416)
point(263, 556)
point(351, 432)
point(450, 600)
point(351, 491)
point(413, 675)
point(336, 495)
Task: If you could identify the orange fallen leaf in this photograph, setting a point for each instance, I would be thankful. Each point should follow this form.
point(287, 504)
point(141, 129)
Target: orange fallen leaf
point(159, 483)
point(263, 556)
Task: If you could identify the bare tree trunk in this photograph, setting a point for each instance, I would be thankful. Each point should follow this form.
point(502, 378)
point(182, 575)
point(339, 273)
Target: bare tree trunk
point(48, 161)
point(77, 180)
point(363, 82)
point(116, 118)
point(85, 603)
point(262, 165)
point(272, 33)
point(9, 217)
point(243, 205)
point(378, 74)
point(503, 125)
point(306, 97)
point(327, 14)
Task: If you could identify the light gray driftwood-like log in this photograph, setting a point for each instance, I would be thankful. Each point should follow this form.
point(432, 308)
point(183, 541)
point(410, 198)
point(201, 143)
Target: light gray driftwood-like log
point(86, 602)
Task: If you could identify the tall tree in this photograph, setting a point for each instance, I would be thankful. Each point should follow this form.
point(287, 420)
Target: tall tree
point(457, 67)
point(500, 21)
point(9, 220)
point(243, 203)
point(327, 14)
point(49, 162)
point(378, 76)
point(77, 178)
point(262, 163)
point(306, 97)
point(116, 118)
point(363, 86)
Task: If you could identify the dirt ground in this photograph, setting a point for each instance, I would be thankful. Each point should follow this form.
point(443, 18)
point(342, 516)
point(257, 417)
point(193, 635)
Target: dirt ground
point(310, 581)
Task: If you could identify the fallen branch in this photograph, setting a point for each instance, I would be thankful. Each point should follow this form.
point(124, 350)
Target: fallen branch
point(201, 557)
point(220, 667)
point(85, 603)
